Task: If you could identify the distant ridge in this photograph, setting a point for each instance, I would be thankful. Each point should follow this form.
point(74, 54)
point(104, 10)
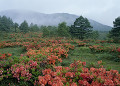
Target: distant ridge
point(48, 19)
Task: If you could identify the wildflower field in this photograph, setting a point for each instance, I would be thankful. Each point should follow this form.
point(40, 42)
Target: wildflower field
point(31, 60)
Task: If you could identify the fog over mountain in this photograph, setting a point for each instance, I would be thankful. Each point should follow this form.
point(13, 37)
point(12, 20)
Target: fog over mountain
point(48, 19)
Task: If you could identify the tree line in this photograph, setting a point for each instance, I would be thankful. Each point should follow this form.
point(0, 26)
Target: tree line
point(81, 28)
point(7, 25)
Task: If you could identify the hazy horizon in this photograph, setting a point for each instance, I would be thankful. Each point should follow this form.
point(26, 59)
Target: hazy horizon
point(104, 11)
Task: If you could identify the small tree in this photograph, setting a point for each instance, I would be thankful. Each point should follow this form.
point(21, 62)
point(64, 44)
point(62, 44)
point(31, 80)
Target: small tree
point(6, 24)
point(63, 30)
point(115, 32)
point(24, 27)
point(80, 28)
point(52, 31)
point(46, 32)
point(16, 26)
point(94, 35)
point(34, 27)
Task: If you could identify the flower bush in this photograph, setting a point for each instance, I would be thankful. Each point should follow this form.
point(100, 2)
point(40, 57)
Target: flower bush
point(78, 75)
point(5, 55)
point(39, 60)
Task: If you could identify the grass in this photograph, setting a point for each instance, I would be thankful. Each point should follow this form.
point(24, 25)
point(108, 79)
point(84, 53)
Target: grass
point(16, 51)
point(84, 54)
point(79, 53)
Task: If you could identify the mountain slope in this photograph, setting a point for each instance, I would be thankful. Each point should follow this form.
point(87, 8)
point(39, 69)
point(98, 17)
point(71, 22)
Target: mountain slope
point(48, 19)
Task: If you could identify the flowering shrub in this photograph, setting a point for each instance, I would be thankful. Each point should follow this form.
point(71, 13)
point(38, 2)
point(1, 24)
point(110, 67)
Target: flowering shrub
point(37, 64)
point(2, 44)
point(117, 55)
point(99, 48)
point(81, 44)
point(54, 53)
point(1, 71)
point(5, 55)
point(118, 50)
point(78, 75)
point(20, 71)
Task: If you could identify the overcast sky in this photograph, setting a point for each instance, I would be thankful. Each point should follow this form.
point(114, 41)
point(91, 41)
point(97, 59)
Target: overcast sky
point(103, 11)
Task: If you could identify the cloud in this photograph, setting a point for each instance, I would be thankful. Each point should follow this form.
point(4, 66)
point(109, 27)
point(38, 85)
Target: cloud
point(103, 11)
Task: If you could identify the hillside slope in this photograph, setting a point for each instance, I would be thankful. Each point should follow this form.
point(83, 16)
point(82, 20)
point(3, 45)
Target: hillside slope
point(48, 19)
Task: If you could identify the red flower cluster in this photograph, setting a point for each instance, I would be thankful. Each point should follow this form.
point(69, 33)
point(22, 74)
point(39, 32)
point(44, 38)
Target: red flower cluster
point(50, 78)
point(21, 71)
point(33, 64)
point(54, 52)
point(77, 74)
point(99, 48)
point(1, 71)
point(118, 50)
point(5, 55)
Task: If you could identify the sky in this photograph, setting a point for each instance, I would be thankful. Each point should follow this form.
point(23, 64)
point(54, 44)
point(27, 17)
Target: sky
point(103, 11)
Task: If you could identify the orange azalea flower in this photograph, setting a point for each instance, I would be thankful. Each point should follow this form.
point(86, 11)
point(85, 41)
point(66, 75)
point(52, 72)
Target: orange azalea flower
point(83, 63)
point(47, 77)
point(73, 84)
point(57, 82)
point(69, 74)
point(46, 71)
point(99, 62)
point(96, 83)
point(58, 68)
point(108, 82)
point(3, 55)
point(42, 81)
point(85, 70)
point(60, 60)
point(67, 68)
point(9, 54)
point(83, 82)
point(53, 74)
point(115, 71)
point(118, 49)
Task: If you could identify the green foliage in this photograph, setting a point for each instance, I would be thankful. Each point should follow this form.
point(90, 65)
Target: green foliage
point(103, 35)
point(63, 30)
point(52, 31)
point(115, 32)
point(93, 35)
point(81, 27)
point(46, 32)
point(16, 26)
point(24, 27)
point(49, 31)
point(33, 27)
point(5, 24)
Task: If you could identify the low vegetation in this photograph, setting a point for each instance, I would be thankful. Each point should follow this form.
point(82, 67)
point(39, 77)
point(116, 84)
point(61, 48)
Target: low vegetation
point(48, 58)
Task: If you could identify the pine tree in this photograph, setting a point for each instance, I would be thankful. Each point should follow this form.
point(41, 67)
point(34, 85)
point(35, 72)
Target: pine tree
point(16, 26)
point(80, 28)
point(115, 32)
point(6, 24)
point(24, 27)
point(63, 30)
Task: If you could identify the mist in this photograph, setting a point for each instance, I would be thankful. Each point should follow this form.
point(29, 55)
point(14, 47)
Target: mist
point(103, 11)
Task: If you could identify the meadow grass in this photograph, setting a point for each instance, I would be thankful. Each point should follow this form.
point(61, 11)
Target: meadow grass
point(15, 51)
point(84, 54)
